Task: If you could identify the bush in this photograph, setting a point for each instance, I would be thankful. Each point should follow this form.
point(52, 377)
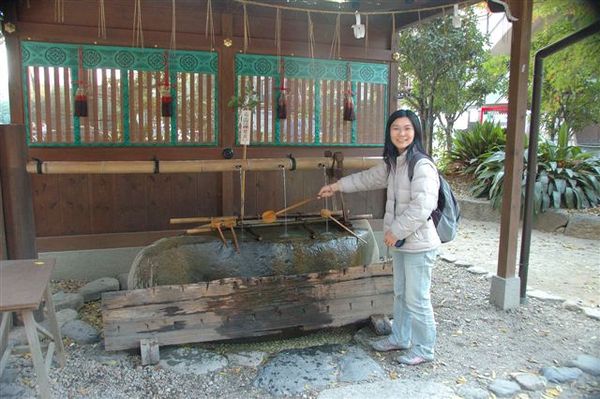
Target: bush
point(470, 148)
point(566, 177)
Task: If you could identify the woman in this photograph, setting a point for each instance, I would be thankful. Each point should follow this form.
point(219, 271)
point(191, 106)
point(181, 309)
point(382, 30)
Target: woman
point(408, 232)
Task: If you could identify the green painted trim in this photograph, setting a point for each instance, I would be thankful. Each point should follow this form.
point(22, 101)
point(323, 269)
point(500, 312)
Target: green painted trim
point(76, 121)
point(84, 145)
point(25, 83)
point(259, 144)
point(125, 105)
point(309, 68)
point(277, 83)
point(116, 57)
point(354, 122)
point(317, 112)
point(215, 96)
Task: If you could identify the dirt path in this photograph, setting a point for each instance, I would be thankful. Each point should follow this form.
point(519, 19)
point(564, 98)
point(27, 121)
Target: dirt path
point(565, 266)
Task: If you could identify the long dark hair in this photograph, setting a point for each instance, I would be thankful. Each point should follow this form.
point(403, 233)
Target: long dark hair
point(390, 152)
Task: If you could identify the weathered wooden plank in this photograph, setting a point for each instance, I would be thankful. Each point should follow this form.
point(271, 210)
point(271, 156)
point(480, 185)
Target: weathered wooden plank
point(238, 307)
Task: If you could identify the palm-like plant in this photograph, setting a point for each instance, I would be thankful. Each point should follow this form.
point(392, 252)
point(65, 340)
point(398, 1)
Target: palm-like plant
point(472, 147)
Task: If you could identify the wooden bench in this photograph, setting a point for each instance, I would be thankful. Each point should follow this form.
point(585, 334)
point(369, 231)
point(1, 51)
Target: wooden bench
point(23, 286)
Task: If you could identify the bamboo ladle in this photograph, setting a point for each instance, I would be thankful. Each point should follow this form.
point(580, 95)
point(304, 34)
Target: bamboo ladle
point(271, 216)
point(327, 214)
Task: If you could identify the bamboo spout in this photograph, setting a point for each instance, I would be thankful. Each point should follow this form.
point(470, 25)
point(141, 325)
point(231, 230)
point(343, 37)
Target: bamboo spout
point(193, 166)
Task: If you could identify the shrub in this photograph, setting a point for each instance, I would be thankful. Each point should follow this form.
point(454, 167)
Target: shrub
point(473, 146)
point(566, 177)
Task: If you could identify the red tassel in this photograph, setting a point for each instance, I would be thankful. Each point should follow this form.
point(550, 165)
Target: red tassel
point(166, 102)
point(349, 114)
point(282, 104)
point(81, 106)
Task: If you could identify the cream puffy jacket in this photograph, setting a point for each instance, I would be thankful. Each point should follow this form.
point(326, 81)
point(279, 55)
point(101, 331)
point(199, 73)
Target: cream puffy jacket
point(409, 203)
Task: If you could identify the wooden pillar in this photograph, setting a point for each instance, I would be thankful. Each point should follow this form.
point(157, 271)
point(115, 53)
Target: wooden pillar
point(226, 90)
point(13, 52)
point(393, 82)
point(505, 286)
point(17, 201)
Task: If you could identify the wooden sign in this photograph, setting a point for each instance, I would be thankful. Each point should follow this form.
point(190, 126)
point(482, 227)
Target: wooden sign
point(244, 127)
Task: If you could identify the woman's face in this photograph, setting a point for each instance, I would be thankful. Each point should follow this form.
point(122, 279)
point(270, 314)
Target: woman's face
point(402, 133)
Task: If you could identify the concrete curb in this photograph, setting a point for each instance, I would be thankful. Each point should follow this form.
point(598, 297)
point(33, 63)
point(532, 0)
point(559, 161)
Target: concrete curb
point(552, 221)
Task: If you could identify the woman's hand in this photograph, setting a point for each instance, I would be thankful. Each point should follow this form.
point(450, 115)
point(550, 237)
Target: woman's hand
point(390, 239)
point(328, 190)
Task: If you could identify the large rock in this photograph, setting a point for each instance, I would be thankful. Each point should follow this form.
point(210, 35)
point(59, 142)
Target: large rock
point(64, 300)
point(193, 259)
point(584, 226)
point(587, 363)
point(504, 388)
point(62, 317)
point(561, 374)
point(477, 209)
point(551, 220)
point(247, 359)
point(191, 360)
point(357, 366)
point(530, 382)
point(93, 290)
point(294, 371)
point(80, 332)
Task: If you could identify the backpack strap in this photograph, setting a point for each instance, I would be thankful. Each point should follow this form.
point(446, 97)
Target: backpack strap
point(411, 165)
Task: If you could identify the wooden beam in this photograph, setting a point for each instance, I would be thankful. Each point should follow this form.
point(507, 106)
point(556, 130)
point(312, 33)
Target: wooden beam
point(243, 307)
point(513, 164)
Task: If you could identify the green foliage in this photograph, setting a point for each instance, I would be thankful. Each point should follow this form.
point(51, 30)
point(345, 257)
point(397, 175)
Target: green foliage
point(4, 112)
point(249, 99)
point(473, 146)
point(566, 177)
point(571, 85)
point(442, 65)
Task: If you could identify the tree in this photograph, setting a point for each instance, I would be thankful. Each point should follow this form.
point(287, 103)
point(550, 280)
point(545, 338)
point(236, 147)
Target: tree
point(484, 75)
point(442, 66)
point(571, 82)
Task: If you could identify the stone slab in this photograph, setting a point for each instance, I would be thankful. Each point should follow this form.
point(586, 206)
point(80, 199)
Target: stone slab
point(186, 360)
point(391, 389)
point(584, 226)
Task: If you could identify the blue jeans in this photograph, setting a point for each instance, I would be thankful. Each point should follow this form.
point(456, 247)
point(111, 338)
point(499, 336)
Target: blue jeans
point(413, 314)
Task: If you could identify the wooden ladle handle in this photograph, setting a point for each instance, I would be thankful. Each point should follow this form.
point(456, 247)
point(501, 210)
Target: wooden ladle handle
point(296, 205)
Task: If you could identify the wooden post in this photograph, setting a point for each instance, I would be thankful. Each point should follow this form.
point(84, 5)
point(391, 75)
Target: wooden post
point(16, 193)
point(149, 351)
point(505, 286)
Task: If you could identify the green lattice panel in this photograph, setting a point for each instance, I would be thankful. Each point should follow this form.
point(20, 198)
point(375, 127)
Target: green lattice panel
point(308, 68)
point(141, 59)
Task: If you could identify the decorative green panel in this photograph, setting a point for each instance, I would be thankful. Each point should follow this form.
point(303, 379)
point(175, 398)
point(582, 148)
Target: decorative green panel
point(319, 70)
point(125, 59)
point(140, 59)
point(308, 68)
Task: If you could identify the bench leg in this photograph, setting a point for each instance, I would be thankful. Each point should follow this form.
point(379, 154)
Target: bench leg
point(54, 330)
point(4, 348)
point(36, 353)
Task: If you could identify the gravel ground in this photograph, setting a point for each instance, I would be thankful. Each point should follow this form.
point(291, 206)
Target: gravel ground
point(476, 344)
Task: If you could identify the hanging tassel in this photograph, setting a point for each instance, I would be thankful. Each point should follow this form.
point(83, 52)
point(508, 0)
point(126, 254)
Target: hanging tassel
point(166, 100)
point(81, 106)
point(281, 98)
point(349, 114)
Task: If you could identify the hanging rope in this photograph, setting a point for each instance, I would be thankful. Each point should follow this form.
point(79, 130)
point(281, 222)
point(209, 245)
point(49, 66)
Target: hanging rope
point(320, 11)
point(173, 27)
point(210, 27)
point(101, 20)
point(367, 35)
point(138, 33)
point(278, 32)
point(336, 42)
point(59, 11)
point(311, 37)
point(393, 32)
point(246, 30)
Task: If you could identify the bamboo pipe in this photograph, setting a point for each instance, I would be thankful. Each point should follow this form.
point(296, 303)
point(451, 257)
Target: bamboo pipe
point(201, 219)
point(194, 166)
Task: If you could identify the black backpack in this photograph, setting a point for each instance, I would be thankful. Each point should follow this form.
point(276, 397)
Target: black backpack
point(446, 216)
